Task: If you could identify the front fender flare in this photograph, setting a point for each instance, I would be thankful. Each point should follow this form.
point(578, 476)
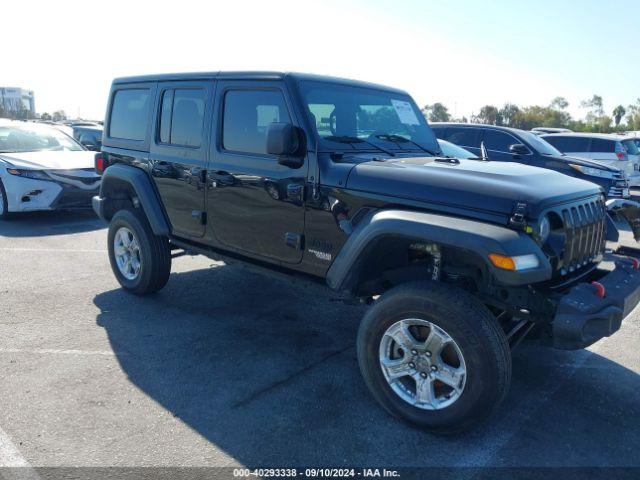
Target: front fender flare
point(471, 235)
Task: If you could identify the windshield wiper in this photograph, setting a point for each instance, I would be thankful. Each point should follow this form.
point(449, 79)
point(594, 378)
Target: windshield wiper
point(400, 139)
point(350, 140)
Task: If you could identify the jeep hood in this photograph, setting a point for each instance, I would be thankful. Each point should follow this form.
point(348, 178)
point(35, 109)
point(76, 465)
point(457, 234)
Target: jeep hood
point(492, 187)
point(50, 160)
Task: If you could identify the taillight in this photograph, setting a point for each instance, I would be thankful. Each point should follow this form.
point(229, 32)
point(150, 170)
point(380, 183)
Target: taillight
point(100, 163)
point(621, 153)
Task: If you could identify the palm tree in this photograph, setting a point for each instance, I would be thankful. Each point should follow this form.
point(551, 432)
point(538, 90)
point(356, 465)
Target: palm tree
point(618, 113)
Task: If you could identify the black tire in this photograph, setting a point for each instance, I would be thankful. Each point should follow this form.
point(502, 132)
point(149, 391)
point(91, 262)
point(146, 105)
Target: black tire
point(155, 254)
point(473, 328)
point(5, 215)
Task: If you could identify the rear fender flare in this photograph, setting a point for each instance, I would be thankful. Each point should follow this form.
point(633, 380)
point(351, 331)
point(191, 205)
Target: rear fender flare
point(139, 185)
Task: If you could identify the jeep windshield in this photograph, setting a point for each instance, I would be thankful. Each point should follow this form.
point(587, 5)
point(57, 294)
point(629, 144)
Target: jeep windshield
point(359, 118)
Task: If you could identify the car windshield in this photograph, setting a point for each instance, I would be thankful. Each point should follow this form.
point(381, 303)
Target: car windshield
point(355, 117)
point(539, 144)
point(452, 150)
point(31, 137)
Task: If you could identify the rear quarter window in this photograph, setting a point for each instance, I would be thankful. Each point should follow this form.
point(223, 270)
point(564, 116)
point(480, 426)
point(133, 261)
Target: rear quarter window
point(569, 144)
point(130, 114)
point(600, 145)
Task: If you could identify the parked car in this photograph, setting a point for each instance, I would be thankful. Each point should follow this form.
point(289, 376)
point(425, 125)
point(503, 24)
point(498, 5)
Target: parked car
point(42, 168)
point(543, 130)
point(88, 135)
point(615, 150)
point(345, 182)
point(514, 145)
point(452, 150)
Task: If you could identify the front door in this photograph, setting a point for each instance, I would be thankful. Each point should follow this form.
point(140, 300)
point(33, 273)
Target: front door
point(255, 205)
point(178, 153)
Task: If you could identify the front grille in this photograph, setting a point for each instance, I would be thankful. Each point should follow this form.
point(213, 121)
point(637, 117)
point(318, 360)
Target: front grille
point(584, 229)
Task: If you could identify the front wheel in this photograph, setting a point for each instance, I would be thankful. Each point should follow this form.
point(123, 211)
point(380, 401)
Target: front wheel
point(433, 355)
point(140, 260)
point(4, 203)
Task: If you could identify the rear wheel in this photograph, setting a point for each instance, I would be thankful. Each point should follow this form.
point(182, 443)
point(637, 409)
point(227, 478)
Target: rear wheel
point(433, 355)
point(140, 260)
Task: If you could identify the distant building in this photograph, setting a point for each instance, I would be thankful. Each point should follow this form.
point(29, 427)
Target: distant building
point(14, 100)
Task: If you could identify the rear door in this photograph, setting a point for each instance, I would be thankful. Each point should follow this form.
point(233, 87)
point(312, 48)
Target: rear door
point(178, 153)
point(255, 205)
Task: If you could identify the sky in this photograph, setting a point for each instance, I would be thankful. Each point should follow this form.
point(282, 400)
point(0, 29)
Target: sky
point(464, 53)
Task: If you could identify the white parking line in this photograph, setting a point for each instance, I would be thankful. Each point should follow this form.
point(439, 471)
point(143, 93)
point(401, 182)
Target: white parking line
point(49, 250)
point(55, 351)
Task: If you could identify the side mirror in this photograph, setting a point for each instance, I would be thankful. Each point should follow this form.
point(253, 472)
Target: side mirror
point(287, 142)
point(519, 149)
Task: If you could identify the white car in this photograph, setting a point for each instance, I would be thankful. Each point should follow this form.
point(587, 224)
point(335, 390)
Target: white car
point(618, 151)
point(42, 168)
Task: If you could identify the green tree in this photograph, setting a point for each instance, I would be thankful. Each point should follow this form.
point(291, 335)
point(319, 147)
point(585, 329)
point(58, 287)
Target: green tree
point(618, 113)
point(633, 116)
point(559, 103)
point(595, 104)
point(437, 112)
point(488, 115)
point(58, 116)
point(509, 114)
point(45, 116)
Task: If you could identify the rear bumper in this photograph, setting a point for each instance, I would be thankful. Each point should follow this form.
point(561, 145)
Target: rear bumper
point(583, 318)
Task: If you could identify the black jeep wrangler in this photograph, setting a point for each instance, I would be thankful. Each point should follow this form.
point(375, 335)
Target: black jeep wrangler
point(344, 182)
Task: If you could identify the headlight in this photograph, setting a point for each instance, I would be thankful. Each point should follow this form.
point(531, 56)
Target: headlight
point(33, 174)
point(543, 230)
point(592, 172)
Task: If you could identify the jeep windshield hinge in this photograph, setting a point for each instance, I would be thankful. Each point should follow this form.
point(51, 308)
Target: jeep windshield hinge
point(517, 219)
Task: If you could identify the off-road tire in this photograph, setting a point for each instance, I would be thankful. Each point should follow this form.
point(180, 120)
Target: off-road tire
point(474, 329)
point(155, 253)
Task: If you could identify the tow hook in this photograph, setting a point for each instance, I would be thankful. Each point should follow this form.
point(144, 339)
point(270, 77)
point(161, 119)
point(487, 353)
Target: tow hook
point(600, 291)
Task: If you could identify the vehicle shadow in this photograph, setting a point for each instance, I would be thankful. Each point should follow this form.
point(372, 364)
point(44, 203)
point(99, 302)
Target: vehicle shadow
point(50, 223)
point(266, 370)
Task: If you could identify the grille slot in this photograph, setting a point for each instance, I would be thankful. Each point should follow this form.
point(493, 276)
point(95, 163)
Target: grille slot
point(584, 229)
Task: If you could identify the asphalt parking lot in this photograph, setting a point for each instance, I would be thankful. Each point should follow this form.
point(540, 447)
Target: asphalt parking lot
point(227, 367)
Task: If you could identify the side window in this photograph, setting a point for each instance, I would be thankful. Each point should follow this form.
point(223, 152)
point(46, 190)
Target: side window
point(247, 114)
point(498, 141)
point(600, 145)
point(569, 144)
point(465, 137)
point(182, 117)
point(129, 114)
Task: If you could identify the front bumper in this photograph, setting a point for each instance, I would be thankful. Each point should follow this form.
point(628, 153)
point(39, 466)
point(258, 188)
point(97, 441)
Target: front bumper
point(583, 318)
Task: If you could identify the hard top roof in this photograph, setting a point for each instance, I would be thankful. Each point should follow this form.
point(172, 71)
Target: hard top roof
point(251, 75)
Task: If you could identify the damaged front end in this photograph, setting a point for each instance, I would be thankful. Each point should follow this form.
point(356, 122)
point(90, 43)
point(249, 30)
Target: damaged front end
point(628, 210)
